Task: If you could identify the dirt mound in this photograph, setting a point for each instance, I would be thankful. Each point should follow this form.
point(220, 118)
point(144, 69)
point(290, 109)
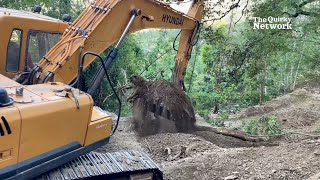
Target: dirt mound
point(297, 117)
point(289, 161)
point(171, 147)
point(283, 102)
point(297, 111)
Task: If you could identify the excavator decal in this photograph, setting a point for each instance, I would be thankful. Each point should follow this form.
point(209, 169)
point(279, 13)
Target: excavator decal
point(172, 20)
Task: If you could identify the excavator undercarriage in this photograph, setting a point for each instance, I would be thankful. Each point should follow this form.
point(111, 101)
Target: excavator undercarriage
point(124, 164)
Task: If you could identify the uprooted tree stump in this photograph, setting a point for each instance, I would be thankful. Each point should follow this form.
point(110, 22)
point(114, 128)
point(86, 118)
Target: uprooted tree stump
point(160, 107)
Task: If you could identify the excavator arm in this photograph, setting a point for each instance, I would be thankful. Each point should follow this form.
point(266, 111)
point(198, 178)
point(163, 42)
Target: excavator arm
point(188, 39)
point(108, 21)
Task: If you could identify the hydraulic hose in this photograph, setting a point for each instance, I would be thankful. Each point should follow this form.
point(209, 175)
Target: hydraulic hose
point(32, 74)
point(109, 81)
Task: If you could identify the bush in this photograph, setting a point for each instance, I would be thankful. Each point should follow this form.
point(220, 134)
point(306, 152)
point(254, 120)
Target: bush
point(250, 127)
point(204, 113)
point(273, 126)
point(219, 122)
point(262, 126)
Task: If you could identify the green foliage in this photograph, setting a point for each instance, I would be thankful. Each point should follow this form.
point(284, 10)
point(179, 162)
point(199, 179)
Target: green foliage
point(273, 126)
point(262, 126)
point(159, 56)
point(53, 8)
point(203, 100)
point(242, 67)
point(250, 126)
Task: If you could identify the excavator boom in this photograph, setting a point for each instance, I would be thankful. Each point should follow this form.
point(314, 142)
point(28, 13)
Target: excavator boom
point(107, 21)
point(188, 39)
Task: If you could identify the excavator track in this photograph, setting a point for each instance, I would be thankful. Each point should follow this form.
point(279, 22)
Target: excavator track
point(116, 165)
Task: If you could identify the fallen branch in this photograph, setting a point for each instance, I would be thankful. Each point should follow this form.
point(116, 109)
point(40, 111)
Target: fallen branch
point(231, 133)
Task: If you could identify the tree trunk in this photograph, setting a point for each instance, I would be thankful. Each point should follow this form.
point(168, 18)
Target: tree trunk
point(284, 77)
point(291, 77)
point(193, 69)
point(296, 76)
point(263, 83)
point(216, 108)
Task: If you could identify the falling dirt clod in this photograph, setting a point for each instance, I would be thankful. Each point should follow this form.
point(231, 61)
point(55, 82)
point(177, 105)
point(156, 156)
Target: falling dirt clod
point(160, 107)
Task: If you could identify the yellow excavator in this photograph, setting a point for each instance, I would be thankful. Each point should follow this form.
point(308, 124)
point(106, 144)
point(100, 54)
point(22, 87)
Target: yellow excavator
point(48, 128)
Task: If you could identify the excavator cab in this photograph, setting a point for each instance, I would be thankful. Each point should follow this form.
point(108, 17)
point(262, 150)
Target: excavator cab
point(25, 38)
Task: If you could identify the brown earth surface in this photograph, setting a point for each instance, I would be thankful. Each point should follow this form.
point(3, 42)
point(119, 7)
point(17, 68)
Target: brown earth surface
point(189, 156)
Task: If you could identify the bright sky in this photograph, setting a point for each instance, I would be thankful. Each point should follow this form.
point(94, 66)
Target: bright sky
point(183, 7)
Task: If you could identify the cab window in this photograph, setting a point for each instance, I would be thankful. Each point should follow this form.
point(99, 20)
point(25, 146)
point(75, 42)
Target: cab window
point(13, 51)
point(39, 43)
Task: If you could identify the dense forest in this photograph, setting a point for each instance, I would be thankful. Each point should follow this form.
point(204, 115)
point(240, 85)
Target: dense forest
point(234, 64)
